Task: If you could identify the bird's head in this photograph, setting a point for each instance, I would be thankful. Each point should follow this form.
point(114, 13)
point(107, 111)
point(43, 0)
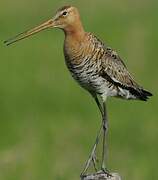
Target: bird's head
point(66, 18)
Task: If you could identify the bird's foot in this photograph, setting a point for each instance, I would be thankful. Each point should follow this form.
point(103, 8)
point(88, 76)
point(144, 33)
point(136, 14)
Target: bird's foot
point(106, 171)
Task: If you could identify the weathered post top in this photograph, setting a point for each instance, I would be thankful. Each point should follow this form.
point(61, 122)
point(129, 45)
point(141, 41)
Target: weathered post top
point(101, 176)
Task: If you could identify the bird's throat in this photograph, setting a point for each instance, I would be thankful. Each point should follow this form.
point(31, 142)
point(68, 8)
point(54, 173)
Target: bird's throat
point(74, 32)
point(74, 37)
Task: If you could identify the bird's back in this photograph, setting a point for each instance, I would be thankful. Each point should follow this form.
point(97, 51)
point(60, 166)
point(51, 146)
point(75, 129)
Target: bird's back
point(100, 70)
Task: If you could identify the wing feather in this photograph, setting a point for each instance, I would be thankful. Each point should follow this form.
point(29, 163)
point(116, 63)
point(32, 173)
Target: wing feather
point(114, 67)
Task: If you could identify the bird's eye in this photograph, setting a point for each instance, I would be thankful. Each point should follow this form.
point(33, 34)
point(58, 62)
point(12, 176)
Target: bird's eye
point(64, 13)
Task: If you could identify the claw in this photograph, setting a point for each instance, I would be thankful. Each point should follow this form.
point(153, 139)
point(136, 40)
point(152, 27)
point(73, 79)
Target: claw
point(105, 171)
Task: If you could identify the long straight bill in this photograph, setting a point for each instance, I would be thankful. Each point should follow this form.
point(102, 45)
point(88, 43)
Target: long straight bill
point(25, 34)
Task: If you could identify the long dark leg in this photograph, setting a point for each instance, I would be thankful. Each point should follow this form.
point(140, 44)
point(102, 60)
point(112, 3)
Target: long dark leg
point(92, 157)
point(99, 105)
point(105, 129)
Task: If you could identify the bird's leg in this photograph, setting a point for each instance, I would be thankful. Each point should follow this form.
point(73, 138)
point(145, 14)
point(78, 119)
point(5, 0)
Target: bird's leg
point(99, 106)
point(92, 157)
point(105, 129)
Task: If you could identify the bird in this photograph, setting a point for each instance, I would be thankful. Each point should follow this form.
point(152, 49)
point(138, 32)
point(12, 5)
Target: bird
point(95, 66)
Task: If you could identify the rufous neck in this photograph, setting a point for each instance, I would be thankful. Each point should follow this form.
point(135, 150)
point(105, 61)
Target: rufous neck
point(75, 30)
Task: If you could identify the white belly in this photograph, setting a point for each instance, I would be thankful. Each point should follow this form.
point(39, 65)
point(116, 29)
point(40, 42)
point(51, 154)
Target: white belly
point(94, 83)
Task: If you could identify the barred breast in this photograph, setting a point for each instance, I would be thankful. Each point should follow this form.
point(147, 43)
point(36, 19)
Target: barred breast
point(85, 63)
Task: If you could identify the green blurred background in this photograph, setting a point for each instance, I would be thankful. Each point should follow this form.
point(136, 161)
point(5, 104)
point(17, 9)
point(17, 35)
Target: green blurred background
point(47, 122)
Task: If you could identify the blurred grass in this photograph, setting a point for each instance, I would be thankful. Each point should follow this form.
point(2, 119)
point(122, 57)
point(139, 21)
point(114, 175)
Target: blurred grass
point(48, 123)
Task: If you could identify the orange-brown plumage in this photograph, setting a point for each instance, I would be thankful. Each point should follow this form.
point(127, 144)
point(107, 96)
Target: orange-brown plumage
point(103, 61)
point(95, 66)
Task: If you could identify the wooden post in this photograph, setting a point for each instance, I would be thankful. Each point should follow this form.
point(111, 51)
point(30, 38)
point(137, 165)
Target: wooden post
point(101, 176)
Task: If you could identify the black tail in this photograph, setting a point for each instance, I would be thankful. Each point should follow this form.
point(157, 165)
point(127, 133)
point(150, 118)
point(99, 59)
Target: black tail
point(138, 92)
point(141, 94)
point(144, 95)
